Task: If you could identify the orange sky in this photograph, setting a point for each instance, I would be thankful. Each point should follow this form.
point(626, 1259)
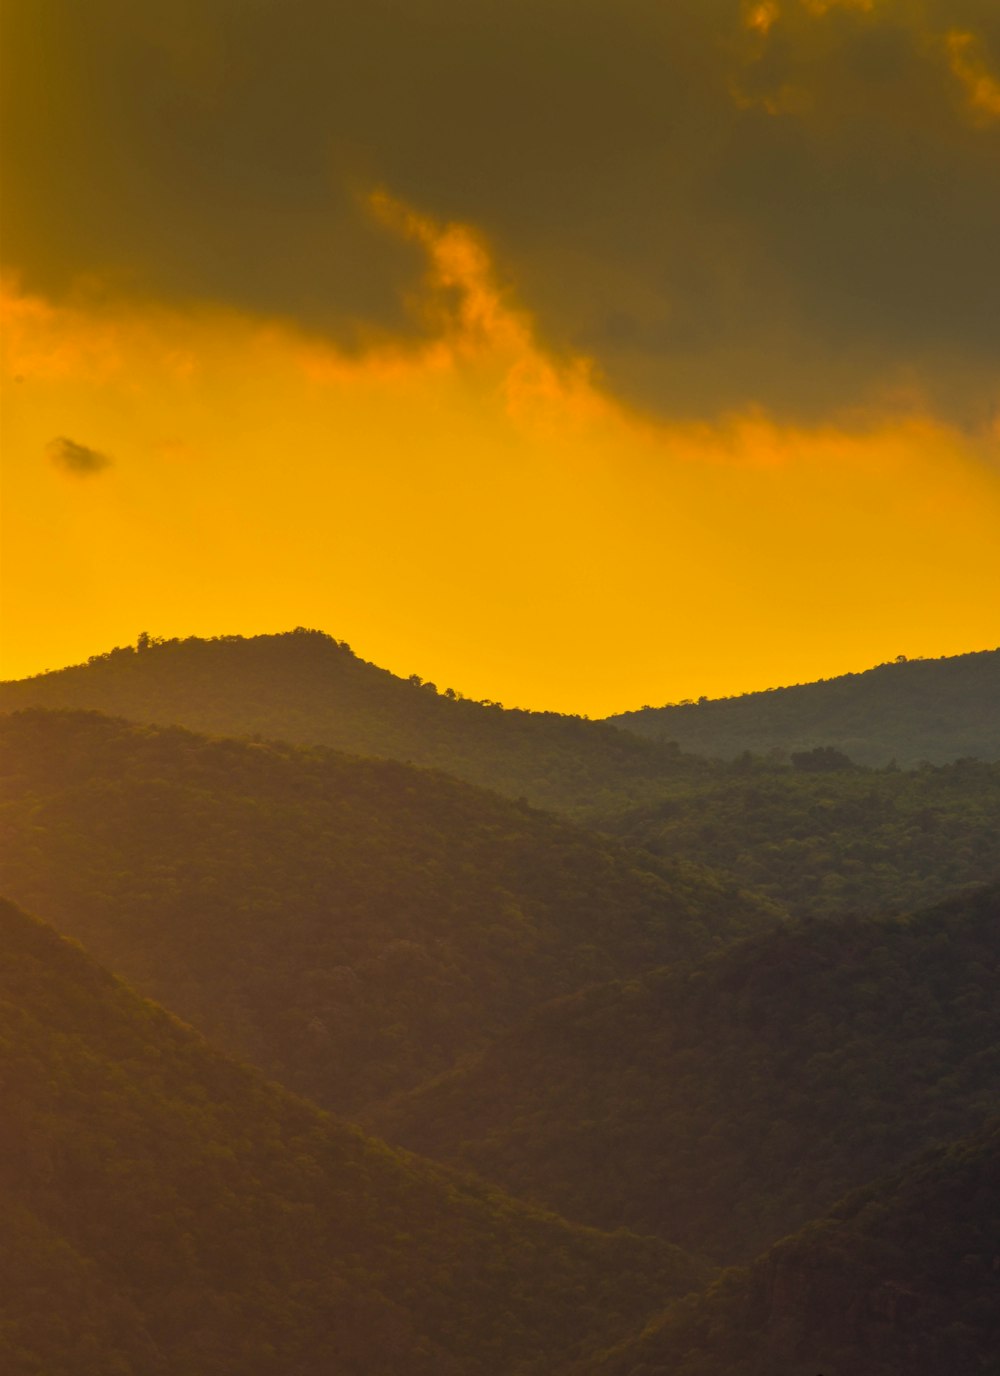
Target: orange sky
point(665, 364)
point(467, 507)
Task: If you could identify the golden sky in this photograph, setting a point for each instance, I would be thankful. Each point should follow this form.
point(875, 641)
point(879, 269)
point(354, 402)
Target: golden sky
point(577, 356)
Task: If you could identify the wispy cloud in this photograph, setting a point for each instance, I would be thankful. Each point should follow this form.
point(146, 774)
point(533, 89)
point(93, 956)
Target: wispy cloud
point(78, 459)
point(968, 64)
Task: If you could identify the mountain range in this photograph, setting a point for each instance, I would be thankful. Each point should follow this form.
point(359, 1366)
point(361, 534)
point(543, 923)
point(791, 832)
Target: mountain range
point(728, 1009)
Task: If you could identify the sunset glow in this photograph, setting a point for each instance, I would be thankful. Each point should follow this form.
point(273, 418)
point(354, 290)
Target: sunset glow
point(484, 489)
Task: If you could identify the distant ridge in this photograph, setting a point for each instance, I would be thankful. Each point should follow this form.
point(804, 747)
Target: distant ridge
point(934, 710)
point(307, 688)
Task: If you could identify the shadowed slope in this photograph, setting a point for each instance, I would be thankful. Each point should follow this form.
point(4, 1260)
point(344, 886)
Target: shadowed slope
point(903, 1279)
point(349, 925)
point(724, 1105)
point(165, 1210)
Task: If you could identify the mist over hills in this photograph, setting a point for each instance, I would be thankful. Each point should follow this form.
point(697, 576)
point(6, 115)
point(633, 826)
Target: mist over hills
point(349, 925)
point(166, 1212)
point(725, 1103)
point(909, 711)
point(902, 1279)
point(305, 687)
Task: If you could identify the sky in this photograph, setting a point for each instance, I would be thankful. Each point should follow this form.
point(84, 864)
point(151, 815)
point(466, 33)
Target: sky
point(576, 354)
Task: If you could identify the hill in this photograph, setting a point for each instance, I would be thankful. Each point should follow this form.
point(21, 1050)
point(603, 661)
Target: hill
point(833, 841)
point(725, 1105)
point(820, 836)
point(351, 926)
point(307, 688)
point(909, 711)
point(165, 1210)
point(903, 1279)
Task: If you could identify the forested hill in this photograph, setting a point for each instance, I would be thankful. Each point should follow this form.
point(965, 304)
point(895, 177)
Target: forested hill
point(903, 1277)
point(832, 841)
point(165, 1212)
point(910, 710)
point(725, 1105)
point(307, 688)
point(349, 925)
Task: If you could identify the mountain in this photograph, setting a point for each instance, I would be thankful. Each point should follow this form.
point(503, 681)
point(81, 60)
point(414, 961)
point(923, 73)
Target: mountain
point(819, 835)
point(936, 710)
point(903, 1279)
point(307, 688)
point(832, 841)
point(351, 926)
point(724, 1105)
point(166, 1212)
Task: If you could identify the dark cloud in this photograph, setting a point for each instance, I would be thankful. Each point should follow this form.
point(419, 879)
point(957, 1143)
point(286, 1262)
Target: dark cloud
point(804, 219)
point(77, 459)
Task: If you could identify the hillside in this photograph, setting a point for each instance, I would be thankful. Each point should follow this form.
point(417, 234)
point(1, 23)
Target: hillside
point(903, 1279)
point(307, 688)
point(165, 1210)
point(350, 926)
point(820, 836)
point(725, 1105)
point(833, 841)
point(909, 711)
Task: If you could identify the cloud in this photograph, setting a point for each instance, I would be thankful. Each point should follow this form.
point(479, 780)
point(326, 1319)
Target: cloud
point(787, 204)
point(981, 87)
point(78, 459)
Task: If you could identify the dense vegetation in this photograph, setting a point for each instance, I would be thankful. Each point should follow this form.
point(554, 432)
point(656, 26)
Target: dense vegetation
point(904, 1277)
point(349, 925)
point(357, 927)
point(725, 1105)
point(307, 688)
point(819, 835)
point(834, 841)
point(166, 1212)
point(936, 710)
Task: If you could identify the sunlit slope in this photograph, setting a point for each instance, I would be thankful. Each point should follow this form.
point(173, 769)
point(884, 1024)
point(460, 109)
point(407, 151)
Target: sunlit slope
point(349, 925)
point(307, 688)
point(165, 1210)
point(725, 1105)
point(900, 1280)
point(912, 710)
point(834, 841)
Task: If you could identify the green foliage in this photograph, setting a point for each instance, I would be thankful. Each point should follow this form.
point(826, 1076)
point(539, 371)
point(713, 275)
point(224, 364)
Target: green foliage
point(933, 710)
point(349, 925)
point(305, 687)
point(825, 842)
point(903, 1278)
point(819, 836)
point(724, 1105)
point(164, 1210)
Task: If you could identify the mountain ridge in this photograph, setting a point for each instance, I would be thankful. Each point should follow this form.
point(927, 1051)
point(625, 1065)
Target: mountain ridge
point(306, 688)
point(907, 710)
